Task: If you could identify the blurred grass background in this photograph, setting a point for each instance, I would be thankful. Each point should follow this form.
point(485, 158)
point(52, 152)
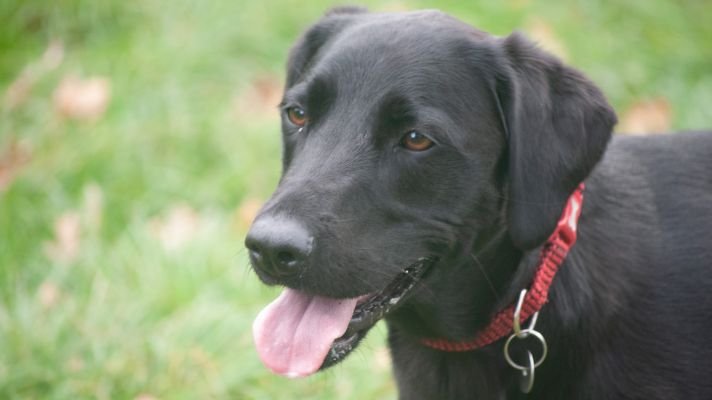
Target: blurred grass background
point(137, 139)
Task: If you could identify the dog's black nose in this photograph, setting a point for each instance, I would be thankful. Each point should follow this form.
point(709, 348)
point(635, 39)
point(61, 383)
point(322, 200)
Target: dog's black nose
point(278, 247)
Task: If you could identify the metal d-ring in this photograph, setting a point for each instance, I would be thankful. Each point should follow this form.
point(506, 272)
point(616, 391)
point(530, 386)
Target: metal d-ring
point(527, 381)
point(542, 341)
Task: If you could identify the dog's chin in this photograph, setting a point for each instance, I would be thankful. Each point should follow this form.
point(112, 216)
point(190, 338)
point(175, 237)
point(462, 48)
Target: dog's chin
point(301, 333)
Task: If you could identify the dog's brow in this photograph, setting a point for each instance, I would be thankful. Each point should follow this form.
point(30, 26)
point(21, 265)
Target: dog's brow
point(398, 112)
point(314, 94)
point(295, 94)
point(395, 109)
point(320, 92)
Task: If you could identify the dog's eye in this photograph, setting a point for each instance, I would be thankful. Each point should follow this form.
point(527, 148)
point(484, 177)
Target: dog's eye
point(297, 116)
point(416, 141)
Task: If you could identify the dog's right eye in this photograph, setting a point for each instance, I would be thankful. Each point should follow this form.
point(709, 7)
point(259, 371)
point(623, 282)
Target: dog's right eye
point(416, 141)
point(297, 116)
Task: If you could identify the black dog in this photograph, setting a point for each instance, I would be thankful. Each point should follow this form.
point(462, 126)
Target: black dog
point(425, 165)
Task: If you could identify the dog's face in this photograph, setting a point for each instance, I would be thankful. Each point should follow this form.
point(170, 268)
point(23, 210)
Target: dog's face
point(399, 137)
point(383, 134)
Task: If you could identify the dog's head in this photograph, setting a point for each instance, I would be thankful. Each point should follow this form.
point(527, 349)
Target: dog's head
point(409, 138)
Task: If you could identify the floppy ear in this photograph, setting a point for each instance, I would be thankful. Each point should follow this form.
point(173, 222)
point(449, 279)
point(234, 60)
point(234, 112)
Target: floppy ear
point(558, 124)
point(309, 44)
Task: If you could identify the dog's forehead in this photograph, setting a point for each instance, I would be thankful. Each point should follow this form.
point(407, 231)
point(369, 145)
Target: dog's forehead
point(416, 54)
point(390, 46)
point(415, 25)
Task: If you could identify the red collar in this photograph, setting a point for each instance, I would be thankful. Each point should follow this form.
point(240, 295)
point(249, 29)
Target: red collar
point(552, 256)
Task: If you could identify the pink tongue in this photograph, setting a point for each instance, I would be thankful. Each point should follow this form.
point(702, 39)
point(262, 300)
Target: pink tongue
point(293, 334)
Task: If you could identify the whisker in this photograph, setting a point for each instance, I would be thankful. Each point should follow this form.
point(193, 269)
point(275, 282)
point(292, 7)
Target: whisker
point(484, 273)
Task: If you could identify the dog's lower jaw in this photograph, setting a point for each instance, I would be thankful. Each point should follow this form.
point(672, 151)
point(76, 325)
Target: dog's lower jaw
point(341, 348)
point(375, 307)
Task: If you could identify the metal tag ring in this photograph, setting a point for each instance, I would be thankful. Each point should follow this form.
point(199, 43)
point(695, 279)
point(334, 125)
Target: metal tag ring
point(526, 332)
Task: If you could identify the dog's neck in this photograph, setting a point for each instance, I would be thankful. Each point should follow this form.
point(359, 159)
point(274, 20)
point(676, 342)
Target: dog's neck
point(581, 298)
point(465, 292)
point(492, 280)
point(484, 279)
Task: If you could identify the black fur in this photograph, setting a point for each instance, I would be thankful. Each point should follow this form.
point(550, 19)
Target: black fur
point(630, 313)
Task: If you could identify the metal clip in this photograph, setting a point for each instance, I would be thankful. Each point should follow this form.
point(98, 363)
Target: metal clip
point(527, 379)
point(517, 313)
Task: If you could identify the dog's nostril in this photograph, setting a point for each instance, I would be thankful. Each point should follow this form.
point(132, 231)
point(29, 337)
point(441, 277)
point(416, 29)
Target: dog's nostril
point(254, 250)
point(255, 254)
point(286, 257)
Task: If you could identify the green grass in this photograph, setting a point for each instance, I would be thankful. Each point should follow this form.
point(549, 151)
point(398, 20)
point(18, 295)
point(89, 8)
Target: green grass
point(127, 315)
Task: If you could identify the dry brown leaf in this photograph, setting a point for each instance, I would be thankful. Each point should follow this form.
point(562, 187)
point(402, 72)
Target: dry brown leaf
point(48, 294)
point(646, 117)
point(543, 34)
point(246, 213)
point(67, 238)
point(12, 159)
point(82, 99)
point(261, 97)
point(176, 228)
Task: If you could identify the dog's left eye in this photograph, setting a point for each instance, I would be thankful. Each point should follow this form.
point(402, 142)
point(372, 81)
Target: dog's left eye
point(297, 116)
point(416, 141)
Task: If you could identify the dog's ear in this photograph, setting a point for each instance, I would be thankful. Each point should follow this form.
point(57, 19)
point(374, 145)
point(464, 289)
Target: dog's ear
point(309, 44)
point(558, 125)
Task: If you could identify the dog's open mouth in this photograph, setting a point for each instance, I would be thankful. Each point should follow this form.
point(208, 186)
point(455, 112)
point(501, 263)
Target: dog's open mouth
point(299, 334)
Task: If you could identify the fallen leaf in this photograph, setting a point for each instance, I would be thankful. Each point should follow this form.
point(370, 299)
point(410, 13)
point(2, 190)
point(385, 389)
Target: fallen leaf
point(64, 248)
point(246, 213)
point(12, 159)
point(261, 97)
point(82, 99)
point(543, 34)
point(176, 228)
point(646, 117)
point(48, 294)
